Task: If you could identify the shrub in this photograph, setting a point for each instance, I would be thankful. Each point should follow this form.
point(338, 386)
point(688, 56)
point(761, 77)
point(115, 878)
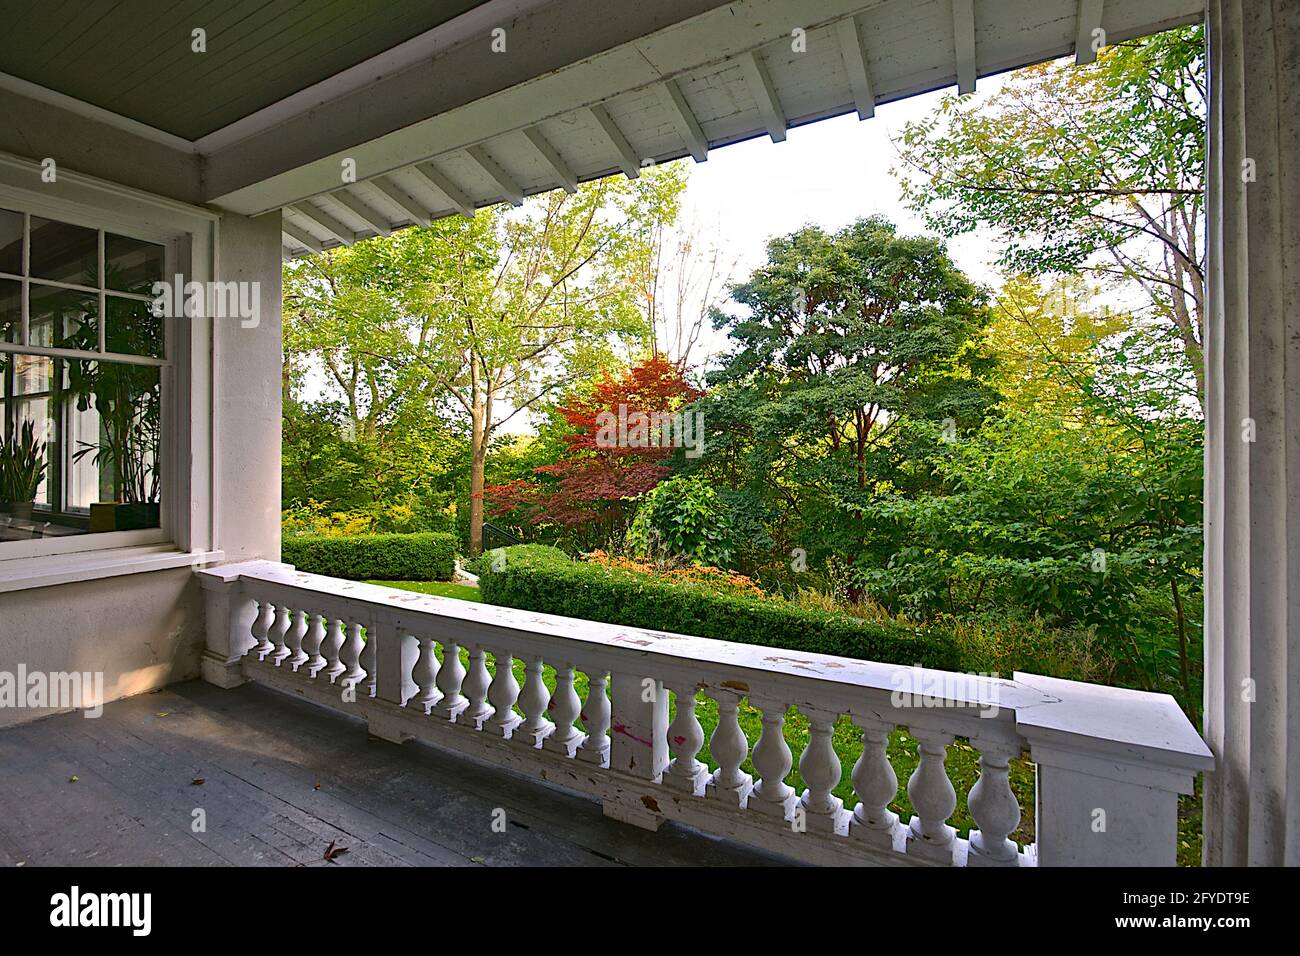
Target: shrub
point(615, 595)
point(426, 556)
point(683, 518)
point(527, 555)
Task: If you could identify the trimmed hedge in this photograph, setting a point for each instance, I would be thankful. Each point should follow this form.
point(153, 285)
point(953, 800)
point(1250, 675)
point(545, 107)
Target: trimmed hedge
point(599, 593)
point(423, 556)
point(530, 555)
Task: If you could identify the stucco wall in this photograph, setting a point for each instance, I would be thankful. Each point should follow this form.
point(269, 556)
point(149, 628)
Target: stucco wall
point(141, 631)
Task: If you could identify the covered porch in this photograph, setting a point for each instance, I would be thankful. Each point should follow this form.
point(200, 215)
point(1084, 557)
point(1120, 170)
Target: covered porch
point(421, 117)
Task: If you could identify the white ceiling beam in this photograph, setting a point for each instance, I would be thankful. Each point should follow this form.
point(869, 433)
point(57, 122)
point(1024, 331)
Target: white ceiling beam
point(371, 217)
point(435, 177)
point(963, 36)
point(683, 119)
point(628, 161)
point(494, 171)
point(554, 161)
point(399, 196)
point(327, 222)
point(301, 236)
point(1089, 19)
point(764, 94)
point(855, 65)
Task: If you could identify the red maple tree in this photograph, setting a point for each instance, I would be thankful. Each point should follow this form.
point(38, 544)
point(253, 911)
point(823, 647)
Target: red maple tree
point(591, 482)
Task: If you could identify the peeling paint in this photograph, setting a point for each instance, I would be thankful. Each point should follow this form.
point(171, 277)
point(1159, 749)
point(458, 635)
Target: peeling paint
point(735, 685)
point(650, 803)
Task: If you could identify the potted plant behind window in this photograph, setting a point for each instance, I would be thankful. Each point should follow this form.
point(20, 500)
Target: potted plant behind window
point(128, 398)
point(22, 466)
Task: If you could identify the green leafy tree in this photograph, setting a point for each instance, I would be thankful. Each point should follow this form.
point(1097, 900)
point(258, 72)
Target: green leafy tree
point(1098, 168)
point(837, 339)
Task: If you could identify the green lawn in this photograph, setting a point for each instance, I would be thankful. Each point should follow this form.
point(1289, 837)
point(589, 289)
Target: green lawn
point(962, 764)
point(437, 588)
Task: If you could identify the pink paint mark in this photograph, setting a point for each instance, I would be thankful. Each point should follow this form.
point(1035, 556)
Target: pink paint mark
point(620, 729)
point(679, 740)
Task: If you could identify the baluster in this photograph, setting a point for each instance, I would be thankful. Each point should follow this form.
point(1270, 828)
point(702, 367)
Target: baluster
point(993, 805)
point(293, 639)
point(368, 660)
point(729, 747)
point(332, 650)
point(475, 688)
point(423, 673)
point(277, 636)
point(450, 675)
point(311, 644)
point(261, 627)
point(876, 785)
point(934, 798)
point(685, 738)
point(565, 706)
point(773, 760)
point(819, 766)
point(351, 655)
point(595, 718)
point(532, 701)
point(502, 694)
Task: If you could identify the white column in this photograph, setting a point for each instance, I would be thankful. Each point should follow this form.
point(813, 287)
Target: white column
point(230, 616)
point(1252, 475)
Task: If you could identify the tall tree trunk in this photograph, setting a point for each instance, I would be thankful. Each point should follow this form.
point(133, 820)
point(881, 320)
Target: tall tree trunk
point(478, 456)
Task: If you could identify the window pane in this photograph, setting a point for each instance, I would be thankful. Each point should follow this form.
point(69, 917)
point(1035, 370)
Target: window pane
point(63, 318)
point(11, 310)
point(11, 242)
point(132, 328)
point(64, 253)
point(131, 265)
point(125, 445)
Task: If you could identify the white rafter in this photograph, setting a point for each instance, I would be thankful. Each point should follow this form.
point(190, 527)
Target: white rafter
point(628, 161)
point(855, 65)
point(764, 94)
point(963, 38)
point(1089, 19)
point(327, 222)
point(554, 161)
point(301, 236)
point(504, 181)
point(683, 119)
point(400, 197)
point(371, 217)
point(439, 180)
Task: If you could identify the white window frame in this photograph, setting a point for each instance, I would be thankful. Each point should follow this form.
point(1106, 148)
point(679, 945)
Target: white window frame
point(188, 234)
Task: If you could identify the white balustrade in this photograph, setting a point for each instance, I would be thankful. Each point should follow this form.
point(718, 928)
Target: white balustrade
point(934, 798)
point(423, 674)
point(772, 761)
point(475, 688)
point(450, 675)
point(1130, 752)
point(819, 766)
point(729, 747)
point(502, 694)
point(595, 718)
point(876, 785)
point(533, 698)
point(312, 643)
point(564, 708)
point(293, 640)
point(685, 737)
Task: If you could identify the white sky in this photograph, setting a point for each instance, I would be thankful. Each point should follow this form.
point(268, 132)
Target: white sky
point(829, 174)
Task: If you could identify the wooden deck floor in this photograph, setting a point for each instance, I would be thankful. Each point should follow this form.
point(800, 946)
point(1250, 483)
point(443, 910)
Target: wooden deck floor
point(280, 781)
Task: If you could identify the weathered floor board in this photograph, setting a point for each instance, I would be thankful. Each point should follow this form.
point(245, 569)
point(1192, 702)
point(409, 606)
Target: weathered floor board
point(281, 780)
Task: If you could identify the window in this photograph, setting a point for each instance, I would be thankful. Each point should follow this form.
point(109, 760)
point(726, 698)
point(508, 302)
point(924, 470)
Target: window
point(82, 354)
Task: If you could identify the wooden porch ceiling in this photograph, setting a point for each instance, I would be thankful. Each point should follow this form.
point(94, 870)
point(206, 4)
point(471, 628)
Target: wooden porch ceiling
point(706, 93)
